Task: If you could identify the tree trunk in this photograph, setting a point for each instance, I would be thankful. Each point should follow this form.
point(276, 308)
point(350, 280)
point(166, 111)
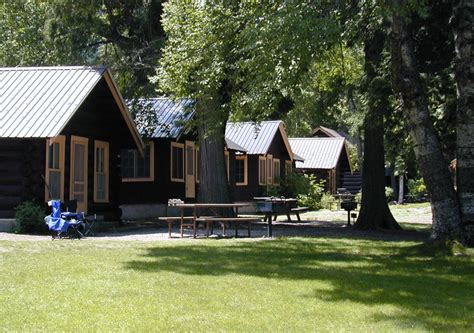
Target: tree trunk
point(401, 188)
point(374, 212)
point(446, 217)
point(463, 28)
point(213, 186)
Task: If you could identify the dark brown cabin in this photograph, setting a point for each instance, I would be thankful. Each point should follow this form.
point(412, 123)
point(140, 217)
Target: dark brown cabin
point(325, 157)
point(267, 158)
point(61, 134)
point(168, 169)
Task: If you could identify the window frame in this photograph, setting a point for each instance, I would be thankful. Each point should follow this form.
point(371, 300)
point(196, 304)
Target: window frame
point(102, 145)
point(151, 178)
point(61, 140)
point(180, 146)
point(288, 167)
point(269, 169)
point(245, 159)
point(276, 180)
point(262, 161)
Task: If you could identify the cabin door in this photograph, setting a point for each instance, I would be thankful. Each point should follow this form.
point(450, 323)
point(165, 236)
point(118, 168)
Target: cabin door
point(190, 171)
point(78, 186)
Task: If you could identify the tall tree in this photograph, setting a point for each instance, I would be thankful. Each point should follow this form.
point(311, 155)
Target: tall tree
point(374, 212)
point(463, 28)
point(406, 79)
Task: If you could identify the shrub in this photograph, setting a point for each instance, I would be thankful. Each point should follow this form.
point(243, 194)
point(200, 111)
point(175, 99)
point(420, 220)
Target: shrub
point(326, 200)
point(388, 193)
point(312, 196)
point(416, 189)
point(30, 218)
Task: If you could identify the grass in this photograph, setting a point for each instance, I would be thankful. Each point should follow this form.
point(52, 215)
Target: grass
point(288, 284)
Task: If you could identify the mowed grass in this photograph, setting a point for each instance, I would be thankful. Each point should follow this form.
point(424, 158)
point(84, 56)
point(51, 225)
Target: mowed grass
point(286, 284)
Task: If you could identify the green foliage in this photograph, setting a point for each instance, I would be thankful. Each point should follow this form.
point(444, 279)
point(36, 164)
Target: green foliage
point(416, 189)
point(30, 218)
point(327, 199)
point(313, 193)
point(389, 193)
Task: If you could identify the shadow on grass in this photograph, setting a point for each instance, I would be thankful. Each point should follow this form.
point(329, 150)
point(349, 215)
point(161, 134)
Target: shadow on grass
point(436, 292)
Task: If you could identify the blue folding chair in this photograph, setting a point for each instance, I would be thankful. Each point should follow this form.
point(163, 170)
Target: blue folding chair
point(64, 224)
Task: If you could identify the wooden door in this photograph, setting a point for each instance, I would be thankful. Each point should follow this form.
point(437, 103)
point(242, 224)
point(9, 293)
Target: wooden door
point(190, 170)
point(78, 187)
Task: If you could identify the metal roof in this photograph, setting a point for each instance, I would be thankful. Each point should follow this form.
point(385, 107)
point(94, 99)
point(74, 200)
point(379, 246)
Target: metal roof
point(328, 131)
point(171, 116)
point(232, 145)
point(39, 101)
point(318, 153)
point(256, 138)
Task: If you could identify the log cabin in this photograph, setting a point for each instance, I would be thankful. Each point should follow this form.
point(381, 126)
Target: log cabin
point(325, 157)
point(61, 133)
point(267, 159)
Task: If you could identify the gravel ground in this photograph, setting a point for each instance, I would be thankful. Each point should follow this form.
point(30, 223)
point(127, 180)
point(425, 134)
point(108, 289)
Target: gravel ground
point(144, 232)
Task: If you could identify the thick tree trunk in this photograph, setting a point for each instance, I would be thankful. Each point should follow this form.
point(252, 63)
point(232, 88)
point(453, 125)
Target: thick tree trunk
point(213, 186)
point(463, 28)
point(374, 212)
point(446, 216)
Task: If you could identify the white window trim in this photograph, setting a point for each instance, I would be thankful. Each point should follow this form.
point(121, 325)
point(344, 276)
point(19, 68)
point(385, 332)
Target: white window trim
point(104, 145)
point(243, 158)
point(152, 168)
point(61, 139)
point(178, 145)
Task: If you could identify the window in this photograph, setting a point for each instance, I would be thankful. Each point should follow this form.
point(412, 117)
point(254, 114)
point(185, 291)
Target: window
point(227, 162)
point(136, 168)
point(269, 169)
point(177, 162)
point(262, 168)
point(54, 188)
point(276, 171)
point(241, 170)
point(101, 171)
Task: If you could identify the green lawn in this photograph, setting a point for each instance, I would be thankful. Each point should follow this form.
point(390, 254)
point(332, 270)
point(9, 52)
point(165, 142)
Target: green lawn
point(298, 284)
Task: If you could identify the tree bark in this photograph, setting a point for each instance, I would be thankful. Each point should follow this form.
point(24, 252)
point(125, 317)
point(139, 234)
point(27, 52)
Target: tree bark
point(434, 168)
point(463, 29)
point(401, 188)
point(213, 186)
point(374, 212)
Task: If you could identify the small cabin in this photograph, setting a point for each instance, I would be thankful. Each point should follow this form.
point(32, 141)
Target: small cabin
point(168, 168)
point(325, 157)
point(262, 161)
point(61, 133)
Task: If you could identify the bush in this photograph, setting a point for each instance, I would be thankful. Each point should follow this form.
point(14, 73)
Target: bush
point(30, 218)
point(314, 192)
point(388, 193)
point(416, 189)
point(326, 200)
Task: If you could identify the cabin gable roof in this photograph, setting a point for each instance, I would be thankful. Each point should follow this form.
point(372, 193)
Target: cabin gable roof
point(38, 102)
point(318, 153)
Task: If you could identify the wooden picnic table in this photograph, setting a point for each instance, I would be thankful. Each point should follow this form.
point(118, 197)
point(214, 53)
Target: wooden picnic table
point(215, 209)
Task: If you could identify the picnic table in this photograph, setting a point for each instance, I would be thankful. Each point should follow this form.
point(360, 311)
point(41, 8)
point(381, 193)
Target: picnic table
point(215, 209)
point(274, 206)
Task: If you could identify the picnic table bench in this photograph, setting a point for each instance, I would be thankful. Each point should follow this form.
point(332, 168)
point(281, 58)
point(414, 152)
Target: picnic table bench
point(237, 221)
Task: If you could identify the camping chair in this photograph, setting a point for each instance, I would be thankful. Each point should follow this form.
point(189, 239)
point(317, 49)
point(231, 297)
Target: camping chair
point(63, 224)
point(70, 213)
